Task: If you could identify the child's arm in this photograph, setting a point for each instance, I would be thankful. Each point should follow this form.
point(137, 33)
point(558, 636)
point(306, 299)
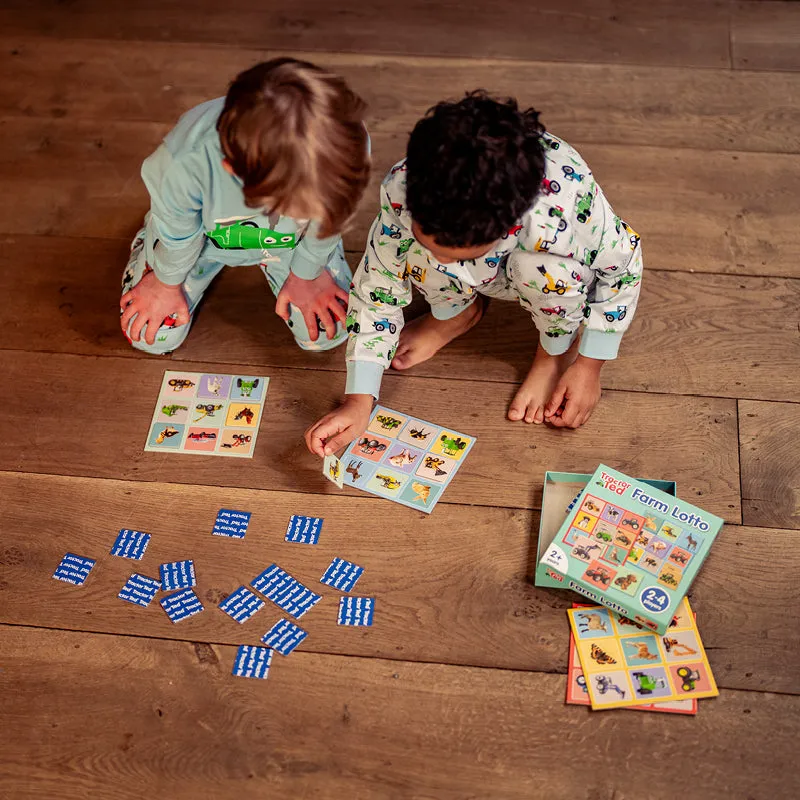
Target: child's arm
point(380, 291)
point(310, 287)
point(176, 222)
point(613, 251)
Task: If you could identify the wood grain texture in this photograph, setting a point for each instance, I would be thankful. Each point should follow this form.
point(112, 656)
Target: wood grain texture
point(453, 588)
point(695, 210)
point(680, 33)
point(155, 81)
point(100, 431)
point(770, 463)
point(765, 35)
point(706, 323)
point(169, 721)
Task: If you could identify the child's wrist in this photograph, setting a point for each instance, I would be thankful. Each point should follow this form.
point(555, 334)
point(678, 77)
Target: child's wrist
point(587, 363)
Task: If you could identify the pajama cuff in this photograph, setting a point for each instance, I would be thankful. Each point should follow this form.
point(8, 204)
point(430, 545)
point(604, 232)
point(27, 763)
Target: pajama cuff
point(600, 345)
point(364, 377)
point(305, 267)
point(171, 277)
point(556, 345)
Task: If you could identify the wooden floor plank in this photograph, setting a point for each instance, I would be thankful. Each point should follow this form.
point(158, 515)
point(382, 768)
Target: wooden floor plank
point(770, 463)
point(679, 33)
point(453, 588)
point(708, 212)
point(669, 107)
point(90, 416)
point(330, 727)
point(705, 322)
point(765, 35)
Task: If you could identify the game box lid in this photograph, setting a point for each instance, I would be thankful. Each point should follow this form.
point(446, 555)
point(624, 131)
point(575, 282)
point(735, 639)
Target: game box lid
point(629, 546)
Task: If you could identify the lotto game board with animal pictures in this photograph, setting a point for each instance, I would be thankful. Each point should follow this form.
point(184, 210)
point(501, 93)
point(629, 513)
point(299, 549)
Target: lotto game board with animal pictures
point(207, 414)
point(402, 458)
point(625, 665)
point(631, 547)
point(578, 691)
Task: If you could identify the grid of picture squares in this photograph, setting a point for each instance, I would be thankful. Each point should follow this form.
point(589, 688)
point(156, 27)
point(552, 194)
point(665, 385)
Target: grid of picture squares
point(405, 459)
point(208, 414)
point(619, 547)
point(624, 664)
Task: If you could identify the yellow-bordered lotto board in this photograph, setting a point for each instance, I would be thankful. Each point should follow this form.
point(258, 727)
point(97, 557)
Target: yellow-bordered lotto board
point(624, 665)
point(578, 693)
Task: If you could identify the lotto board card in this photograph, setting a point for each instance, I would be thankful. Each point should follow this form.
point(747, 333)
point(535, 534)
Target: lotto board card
point(404, 459)
point(631, 547)
point(626, 665)
point(208, 414)
point(578, 693)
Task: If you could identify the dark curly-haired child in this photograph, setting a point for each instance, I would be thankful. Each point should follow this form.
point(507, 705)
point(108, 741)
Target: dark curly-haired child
point(487, 204)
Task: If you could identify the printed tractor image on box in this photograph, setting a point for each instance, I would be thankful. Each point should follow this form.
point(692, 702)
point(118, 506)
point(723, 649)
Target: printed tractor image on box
point(630, 545)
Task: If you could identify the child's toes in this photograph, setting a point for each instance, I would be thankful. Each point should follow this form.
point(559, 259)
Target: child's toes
point(538, 417)
point(516, 411)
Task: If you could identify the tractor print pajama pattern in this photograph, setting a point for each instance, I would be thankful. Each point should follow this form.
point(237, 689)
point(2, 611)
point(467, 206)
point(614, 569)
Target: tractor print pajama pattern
point(570, 261)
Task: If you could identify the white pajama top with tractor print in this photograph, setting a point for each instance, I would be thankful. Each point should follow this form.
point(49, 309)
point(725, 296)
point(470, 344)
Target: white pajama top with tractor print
point(570, 261)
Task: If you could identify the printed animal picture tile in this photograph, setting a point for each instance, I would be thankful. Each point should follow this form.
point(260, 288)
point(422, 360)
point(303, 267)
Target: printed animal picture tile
point(626, 665)
point(370, 447)
point(387, 424)
point(578, 691)
point(207, 414)
point(419, 433)
point(405, 459)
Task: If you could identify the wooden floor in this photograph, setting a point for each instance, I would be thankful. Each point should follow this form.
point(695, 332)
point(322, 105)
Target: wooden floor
point(689, 113)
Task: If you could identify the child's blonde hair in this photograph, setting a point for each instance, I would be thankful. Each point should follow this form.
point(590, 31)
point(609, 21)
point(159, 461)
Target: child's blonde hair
point(294, 134)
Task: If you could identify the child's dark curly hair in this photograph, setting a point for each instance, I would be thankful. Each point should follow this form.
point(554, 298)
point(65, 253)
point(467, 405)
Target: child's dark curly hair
point(474, 167)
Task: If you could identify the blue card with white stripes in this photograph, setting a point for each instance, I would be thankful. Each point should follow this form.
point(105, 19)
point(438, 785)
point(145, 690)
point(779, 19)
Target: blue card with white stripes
point(181, 605)
point(232, 524)
point(356, 611)
point(130, 544)
point(242, 604)
point(285, 591)
point(177, 575)
point(252, 661)
point(342, 575)
point(284, 636)
point(139, 589)
point(74, 569)
point(303, 530)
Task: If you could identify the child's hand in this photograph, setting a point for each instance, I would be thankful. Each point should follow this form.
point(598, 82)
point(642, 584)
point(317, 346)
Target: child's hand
point(578, 391)
point(321, 298)
point(151, 302)
point(341, 426)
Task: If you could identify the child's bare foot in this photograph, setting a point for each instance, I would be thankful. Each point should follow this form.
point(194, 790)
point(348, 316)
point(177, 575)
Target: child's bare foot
point(423, 337)
point(537, 389)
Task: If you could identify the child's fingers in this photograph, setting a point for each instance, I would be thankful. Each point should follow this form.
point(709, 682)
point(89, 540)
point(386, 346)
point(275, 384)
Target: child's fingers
point(327, 322)
point(136, 327)
point(127, 315)
point(556, 400)
point(311, 325)
point(126, 298)
point(343, 297)
point(570, 414)
point(340, 440)
point(282, 306)
point(183, 317)
point(151, 331)
point(337, 310)
point(314, 441)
